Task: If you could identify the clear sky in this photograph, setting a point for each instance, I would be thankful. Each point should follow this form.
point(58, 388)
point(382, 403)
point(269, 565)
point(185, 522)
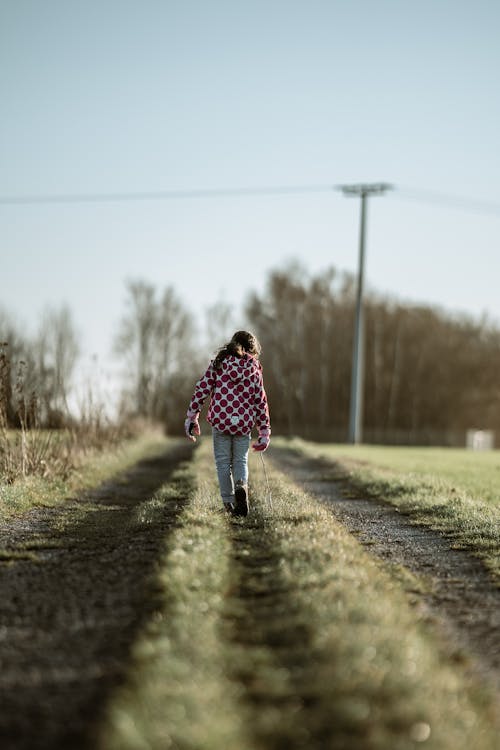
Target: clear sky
point(122, 96)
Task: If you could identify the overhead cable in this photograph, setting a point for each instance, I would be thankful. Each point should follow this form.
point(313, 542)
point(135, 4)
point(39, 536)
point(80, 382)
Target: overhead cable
point(420, 195)
point(161, 195)
point(451, 201)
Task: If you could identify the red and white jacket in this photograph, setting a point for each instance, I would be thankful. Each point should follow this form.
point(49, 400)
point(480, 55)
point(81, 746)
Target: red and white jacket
point(238, 399)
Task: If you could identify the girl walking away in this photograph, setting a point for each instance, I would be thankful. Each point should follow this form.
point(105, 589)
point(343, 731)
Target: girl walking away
point(238, 402)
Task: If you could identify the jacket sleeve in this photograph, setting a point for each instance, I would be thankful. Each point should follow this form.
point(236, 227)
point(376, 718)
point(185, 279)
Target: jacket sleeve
point(202, 389)
point(262, 419)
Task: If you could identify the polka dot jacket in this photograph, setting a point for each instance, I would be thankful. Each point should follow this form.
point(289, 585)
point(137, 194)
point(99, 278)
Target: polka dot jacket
point(238, 399)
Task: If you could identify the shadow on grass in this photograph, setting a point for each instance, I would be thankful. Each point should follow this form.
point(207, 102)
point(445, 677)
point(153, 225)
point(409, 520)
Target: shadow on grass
point(274, 635)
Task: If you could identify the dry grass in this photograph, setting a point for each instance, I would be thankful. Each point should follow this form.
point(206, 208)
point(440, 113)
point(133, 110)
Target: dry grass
point(94, 467)
point(29, 450)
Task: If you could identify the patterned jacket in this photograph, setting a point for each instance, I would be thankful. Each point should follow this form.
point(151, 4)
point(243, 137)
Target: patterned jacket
point(238, 399)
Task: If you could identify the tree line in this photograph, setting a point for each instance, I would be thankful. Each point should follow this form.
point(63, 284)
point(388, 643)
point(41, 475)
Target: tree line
point(429, 375)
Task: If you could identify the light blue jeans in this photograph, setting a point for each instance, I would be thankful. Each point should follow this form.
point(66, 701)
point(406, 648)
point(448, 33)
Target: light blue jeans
point(231, 461)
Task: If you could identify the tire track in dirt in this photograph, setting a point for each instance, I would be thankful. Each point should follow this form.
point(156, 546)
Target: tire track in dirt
point(458, 593)
point(71, 606)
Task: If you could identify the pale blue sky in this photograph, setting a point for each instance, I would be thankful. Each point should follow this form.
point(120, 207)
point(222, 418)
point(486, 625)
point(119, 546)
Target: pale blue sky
point(108, 96)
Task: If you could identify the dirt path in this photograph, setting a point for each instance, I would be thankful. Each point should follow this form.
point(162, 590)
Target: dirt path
point(73, 595)
point(457, 591)
point(76, 587)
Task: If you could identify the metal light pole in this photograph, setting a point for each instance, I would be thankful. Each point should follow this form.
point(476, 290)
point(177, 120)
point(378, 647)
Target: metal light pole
point(357, 372)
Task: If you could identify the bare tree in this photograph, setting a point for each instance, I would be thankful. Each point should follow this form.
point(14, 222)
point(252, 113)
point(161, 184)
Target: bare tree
point(14, 349)
point(55, 351)
point(220, 324)
point(156, 341)
point(135, 342)
point(301, 321)
point(173, 354)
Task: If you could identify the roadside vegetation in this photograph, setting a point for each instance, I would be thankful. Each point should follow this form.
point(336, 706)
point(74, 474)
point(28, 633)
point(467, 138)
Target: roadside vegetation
point(41, 466)
point(279, 630)
point(454, 491)
point(87, 469)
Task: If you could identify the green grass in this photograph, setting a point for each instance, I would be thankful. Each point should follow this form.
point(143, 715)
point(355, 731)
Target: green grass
point(279, 631)
point(475, 472)
point(454, 491)
point(94, 468)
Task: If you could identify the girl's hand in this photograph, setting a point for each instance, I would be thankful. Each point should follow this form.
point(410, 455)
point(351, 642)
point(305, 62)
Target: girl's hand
point(261, 445)
point(192, 428)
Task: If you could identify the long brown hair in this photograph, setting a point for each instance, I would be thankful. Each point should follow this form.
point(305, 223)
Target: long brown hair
point(243, 342)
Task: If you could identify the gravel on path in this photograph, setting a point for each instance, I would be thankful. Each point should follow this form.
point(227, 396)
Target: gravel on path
point(453, 586)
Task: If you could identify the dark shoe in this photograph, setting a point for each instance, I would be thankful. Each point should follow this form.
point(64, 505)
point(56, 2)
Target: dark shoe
point(241, 498)
point(229, 508)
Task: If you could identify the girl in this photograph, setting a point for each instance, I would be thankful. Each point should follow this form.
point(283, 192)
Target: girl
point(237, 402)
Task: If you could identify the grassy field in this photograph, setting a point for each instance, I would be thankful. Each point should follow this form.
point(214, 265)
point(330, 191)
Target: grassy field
point(94, 467)
point(475, 472)
point(279, 631)
point(452, 490)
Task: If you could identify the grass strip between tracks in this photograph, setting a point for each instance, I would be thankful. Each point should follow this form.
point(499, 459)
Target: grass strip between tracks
point(280, 631)
point(452, 491)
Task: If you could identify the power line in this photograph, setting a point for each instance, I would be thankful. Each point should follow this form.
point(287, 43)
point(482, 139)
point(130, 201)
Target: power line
point(161, 195)
point(420, 195)
point(452, 201)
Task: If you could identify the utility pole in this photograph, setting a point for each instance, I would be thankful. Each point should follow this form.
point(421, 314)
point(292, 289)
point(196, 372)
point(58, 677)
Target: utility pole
point(357, 372)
